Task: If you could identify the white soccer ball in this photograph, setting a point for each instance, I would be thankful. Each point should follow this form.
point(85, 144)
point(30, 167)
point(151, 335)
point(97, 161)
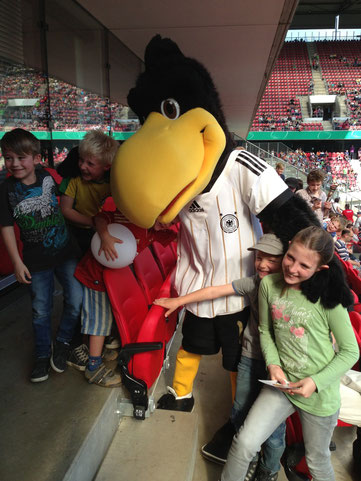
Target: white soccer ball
point(126, 251)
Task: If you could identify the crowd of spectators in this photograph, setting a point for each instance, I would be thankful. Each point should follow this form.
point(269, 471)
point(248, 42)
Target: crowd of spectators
point(353, 102)
point(317, 112)
point(68, 108)
point(289, 120)
point(336, 165)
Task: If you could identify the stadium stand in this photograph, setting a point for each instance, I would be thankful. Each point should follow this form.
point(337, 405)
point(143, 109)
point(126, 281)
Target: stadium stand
point(340, 63)
point(280, 108)
point(24, 103)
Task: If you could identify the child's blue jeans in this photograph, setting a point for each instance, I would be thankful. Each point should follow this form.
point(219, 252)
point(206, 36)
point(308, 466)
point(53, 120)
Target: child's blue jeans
point(42, 289)
point(247, 389)
point(270, 409)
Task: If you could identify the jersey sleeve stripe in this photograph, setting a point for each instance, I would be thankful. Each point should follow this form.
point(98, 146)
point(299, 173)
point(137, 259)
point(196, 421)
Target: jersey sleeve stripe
point(254, 159)
point(249, 167)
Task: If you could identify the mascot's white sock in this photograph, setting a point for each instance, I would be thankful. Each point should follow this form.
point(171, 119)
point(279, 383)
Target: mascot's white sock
point(172, 391)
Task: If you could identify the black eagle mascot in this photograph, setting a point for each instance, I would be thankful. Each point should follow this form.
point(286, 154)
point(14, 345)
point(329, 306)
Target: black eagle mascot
point(181, 166)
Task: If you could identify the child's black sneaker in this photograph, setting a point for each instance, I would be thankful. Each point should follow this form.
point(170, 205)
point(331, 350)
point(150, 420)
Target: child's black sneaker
point(79, 357)
point(217, 449)
point(263, 475)
point(59, 356)
point(252, 470)
point(40, 371)
point(112, 342)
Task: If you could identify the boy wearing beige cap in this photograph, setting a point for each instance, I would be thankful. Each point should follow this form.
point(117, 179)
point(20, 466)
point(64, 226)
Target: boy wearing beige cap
point(268, 257)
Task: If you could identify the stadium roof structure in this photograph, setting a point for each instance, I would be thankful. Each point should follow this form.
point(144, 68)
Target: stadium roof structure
point(237, 41)
point(320, 14)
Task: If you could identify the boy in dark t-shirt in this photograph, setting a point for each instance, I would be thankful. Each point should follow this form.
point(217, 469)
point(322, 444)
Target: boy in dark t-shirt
point(28, 198)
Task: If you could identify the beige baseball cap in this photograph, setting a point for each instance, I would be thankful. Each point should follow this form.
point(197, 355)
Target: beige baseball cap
point(270, 244)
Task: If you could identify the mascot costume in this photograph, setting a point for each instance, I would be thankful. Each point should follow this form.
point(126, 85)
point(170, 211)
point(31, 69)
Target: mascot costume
point(181, 165)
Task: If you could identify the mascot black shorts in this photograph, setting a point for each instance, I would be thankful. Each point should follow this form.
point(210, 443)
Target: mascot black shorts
point(202, 335)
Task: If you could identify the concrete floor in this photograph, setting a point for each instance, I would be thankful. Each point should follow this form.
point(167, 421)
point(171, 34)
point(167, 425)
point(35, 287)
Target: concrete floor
point(44, 425)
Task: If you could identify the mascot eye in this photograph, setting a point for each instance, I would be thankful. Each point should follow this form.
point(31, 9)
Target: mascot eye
point(170, 109)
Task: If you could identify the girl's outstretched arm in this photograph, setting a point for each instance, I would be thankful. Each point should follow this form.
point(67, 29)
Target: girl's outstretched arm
point(205, 294)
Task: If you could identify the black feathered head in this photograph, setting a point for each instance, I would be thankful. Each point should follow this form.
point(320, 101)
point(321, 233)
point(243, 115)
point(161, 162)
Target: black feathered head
point(183, 143)
point(170, 75)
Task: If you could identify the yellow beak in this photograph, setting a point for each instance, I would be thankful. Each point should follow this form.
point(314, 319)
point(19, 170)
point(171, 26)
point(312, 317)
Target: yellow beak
point(165, 165)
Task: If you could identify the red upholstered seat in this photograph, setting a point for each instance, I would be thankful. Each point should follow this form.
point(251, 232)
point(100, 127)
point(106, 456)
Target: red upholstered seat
point(164, 257)
point(142, 335)
point(150, 278)
point(135, 323)
point(148, 274)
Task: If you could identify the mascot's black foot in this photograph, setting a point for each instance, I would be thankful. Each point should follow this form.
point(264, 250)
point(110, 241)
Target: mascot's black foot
point(170, 403)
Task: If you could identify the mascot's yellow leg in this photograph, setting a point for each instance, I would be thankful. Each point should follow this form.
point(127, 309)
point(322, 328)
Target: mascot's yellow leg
point(233, 384)
point(186, 369)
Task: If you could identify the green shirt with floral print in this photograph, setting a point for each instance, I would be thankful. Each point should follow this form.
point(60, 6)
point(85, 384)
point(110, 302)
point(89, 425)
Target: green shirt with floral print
point(295, 334)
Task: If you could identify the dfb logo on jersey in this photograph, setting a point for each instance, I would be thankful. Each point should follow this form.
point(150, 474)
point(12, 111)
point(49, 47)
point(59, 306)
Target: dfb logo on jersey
point(229, 223)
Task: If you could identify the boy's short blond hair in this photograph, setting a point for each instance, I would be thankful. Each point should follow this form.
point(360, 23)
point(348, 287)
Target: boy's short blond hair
point(316, 175)
point(342, 221)
point(280, 166)
point(99, 145)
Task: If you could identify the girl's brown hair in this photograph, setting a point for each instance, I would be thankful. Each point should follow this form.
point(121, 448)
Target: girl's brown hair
point(318, 240)
point(329, 286)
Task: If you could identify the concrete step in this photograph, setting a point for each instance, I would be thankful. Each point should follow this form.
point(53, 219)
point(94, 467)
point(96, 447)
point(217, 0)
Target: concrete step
point(162, 447)
point(327, 125)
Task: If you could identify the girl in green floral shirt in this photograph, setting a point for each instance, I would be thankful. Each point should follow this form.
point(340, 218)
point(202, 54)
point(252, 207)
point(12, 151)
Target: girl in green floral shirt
point(298, 310)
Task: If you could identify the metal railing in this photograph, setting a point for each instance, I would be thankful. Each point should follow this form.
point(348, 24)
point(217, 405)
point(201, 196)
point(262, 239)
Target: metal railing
point(267, 151)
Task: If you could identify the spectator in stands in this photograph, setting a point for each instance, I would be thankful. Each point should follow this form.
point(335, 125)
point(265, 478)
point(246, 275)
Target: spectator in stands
point(335, 207)
point(358, 220)
point(342, 250)
point(348, 213)
point(332, 225)
point(29, 198)
point(340, 224)
point(283, 304)
point(313, 193)
point(292, 183)
point(356, 247)
point(280, 168)
point(96, 316)
point(84, 195)
point(352, 152)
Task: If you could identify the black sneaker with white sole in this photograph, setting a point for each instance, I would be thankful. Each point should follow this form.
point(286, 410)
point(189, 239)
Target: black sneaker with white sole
point(79, 357)
point(217, 448)
point(59, 356)
point(41, 369)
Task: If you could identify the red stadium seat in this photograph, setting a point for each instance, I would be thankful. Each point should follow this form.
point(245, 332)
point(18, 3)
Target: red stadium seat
point(165, 258)
point(148, 274)
point(142, 335)
point(151, 280)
